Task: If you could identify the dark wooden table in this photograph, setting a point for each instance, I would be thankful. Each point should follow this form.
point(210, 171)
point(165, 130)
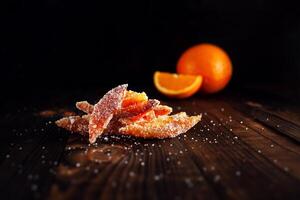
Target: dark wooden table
point(246, 147)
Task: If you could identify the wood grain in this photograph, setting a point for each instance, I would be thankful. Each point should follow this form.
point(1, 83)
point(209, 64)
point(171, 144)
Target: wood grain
point(233, 153)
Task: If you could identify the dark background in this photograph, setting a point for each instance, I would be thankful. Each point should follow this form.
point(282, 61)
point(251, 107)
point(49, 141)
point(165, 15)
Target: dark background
point(69, 44)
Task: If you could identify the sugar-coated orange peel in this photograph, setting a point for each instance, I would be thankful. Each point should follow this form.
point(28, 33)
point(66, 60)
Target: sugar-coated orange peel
point(122, 111)
point(76, 124)
point(162, 127)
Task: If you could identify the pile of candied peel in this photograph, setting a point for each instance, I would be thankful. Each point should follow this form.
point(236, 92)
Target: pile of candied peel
point(122, 111)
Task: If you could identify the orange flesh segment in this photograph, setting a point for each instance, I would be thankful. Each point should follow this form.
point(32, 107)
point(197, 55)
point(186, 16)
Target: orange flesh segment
point(173, 82)
point(177, 85)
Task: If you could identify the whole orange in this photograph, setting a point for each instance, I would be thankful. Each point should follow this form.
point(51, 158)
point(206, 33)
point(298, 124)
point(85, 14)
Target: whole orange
point(209, 61)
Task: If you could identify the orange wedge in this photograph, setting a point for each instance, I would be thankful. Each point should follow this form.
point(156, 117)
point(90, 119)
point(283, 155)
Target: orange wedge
point(177, 85)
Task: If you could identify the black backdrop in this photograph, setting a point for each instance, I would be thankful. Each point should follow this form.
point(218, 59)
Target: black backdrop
point(71, 43)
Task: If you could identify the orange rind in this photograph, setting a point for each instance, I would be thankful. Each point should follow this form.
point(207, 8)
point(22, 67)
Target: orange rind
point(85, 106)
point(104, 110)
point(162, 126)
point(132, 98)
point(74, 124)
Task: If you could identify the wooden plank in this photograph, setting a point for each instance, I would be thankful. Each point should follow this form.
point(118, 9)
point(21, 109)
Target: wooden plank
point(223, 157)
point(230, 157)
point(224, 168)
point(278, 149)
point(30, 157)
point(272, 120)
point(147, 169)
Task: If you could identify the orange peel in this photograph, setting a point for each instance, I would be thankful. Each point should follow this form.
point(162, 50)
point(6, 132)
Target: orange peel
point(138, 117)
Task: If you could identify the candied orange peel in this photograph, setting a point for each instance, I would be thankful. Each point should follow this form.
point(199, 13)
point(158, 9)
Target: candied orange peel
point(162, 127)
point(122, 111)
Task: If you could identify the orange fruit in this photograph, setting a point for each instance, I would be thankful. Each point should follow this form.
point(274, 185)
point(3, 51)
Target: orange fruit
point(177, 85)
point(209, 61)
